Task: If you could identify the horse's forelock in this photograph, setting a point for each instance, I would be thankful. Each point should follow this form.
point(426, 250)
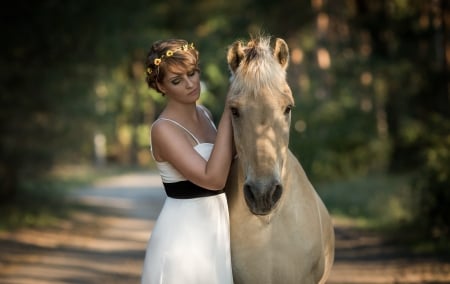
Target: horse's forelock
point(258, 47)
point(259, 70)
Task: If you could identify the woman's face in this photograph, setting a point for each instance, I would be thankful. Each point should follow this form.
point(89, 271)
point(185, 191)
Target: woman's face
point(181, 85)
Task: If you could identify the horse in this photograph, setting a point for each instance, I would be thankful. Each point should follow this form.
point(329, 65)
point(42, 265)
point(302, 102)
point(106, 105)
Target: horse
point(280, 230)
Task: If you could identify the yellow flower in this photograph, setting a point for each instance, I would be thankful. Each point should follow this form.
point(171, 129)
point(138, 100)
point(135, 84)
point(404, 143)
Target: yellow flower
point(157, 61)
point(169, 53)
point(149, 70)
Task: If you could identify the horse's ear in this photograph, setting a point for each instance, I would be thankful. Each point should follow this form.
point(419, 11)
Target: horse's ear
point(235, 55)
point(281, 52)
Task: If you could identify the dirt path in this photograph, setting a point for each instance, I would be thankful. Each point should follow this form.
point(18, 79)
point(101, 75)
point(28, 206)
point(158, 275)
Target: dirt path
point(106, 244)
point(362, 257)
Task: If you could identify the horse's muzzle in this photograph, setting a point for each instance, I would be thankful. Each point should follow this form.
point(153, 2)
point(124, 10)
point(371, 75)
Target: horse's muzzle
point(261, 198)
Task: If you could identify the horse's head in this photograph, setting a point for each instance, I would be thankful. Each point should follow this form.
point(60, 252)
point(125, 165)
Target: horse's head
point(261, 101)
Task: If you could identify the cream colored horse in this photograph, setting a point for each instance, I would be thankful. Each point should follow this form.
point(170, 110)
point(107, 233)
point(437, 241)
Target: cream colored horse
point(281, 231)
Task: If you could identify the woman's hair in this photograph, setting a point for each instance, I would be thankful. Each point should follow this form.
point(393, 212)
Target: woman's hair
point(169, 55)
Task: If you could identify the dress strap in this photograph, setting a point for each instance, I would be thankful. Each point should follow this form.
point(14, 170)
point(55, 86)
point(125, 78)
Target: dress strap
point(207, 116)
point(178, 124)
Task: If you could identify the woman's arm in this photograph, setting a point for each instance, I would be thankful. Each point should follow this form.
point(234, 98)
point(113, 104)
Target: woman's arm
point(175, 147)
point(219, 163)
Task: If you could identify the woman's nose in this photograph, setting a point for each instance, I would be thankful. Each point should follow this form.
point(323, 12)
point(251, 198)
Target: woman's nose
point(189, 83)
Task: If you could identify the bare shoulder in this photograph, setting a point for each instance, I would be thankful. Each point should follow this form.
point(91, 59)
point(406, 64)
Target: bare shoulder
point(159, 125)
point(165, 131)
point(168, 138)
point(172, 144)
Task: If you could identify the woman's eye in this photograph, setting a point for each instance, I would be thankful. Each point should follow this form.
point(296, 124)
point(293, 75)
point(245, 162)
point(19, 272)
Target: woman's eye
point(192, 73)
point(175, 82)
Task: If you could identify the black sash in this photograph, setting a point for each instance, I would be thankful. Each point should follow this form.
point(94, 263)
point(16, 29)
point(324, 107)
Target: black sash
point(186, 189)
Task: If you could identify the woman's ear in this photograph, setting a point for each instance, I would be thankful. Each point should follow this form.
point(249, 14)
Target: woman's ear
point(160, 87)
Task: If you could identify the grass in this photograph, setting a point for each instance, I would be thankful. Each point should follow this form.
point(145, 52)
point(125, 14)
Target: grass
point(44, 202)
point(370, 202)
point(383, 204)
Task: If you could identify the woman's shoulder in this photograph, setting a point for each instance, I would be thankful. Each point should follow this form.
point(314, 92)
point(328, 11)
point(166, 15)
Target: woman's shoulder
point(166, 130)
point(163, 126)
point(166, 136)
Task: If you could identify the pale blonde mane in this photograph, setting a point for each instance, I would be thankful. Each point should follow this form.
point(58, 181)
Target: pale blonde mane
point(258, 70)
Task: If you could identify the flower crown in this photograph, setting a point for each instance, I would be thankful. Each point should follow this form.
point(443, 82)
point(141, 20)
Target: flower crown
point(169, 53)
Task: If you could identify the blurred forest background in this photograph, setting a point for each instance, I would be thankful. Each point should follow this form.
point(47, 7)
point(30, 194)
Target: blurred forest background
point(371, 124)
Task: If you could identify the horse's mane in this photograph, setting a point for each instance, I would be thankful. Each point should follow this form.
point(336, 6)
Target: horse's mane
point(258, 69)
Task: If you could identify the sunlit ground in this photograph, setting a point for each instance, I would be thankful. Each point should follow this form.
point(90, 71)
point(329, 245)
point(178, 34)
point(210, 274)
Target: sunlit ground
point(105, 241)
point(366, 257)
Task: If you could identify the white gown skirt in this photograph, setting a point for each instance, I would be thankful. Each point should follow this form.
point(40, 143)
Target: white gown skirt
point(190, 243)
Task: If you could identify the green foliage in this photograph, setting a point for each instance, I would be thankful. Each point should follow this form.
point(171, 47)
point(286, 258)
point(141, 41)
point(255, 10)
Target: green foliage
point(44, 100)
point(432, 185)
point(369, 80)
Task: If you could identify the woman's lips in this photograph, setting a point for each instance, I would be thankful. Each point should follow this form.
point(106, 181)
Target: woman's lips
point(193, 92)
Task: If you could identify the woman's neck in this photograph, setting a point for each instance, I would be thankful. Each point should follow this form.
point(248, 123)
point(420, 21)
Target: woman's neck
point(181, 112)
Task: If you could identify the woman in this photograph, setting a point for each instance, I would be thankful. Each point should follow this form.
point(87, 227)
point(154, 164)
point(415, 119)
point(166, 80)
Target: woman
point(190, 240)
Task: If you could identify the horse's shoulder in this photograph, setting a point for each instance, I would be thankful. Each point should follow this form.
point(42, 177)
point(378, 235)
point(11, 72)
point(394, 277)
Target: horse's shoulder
point(294, 163)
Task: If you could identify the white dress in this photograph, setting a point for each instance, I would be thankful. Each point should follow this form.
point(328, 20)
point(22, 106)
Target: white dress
point(190, 242)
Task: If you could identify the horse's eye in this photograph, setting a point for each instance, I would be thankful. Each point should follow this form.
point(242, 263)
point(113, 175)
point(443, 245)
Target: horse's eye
point(288, 109)
point(234, 111)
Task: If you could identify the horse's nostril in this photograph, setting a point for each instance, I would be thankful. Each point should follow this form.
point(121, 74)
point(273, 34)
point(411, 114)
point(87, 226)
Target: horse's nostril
point(249, 193)
point(262, 198)
point(276, 195)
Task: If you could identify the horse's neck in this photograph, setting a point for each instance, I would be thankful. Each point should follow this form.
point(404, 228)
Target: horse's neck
point(294, 173)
